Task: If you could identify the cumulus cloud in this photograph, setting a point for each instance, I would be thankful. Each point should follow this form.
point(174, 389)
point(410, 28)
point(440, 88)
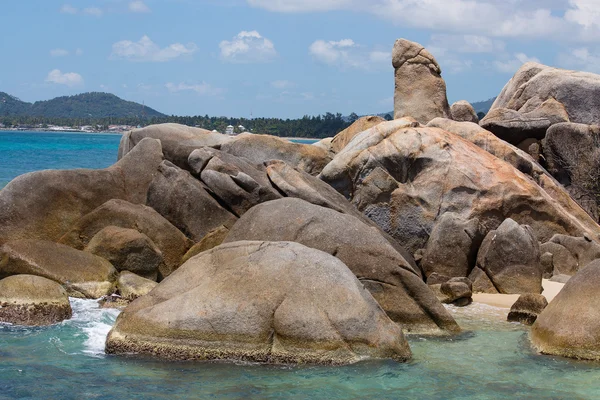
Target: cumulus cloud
point(94, 11)
point(512, 64)
point(68, 9)
point(146, 50)
point(70, 79)
point(581, 58)
point(346, 53)
point(59, 52)
point(562, 19)
point(202, 88)
point(138, 7)
point(248, 47)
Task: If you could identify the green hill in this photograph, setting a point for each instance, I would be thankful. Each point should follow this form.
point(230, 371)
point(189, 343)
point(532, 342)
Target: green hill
point(85, 105)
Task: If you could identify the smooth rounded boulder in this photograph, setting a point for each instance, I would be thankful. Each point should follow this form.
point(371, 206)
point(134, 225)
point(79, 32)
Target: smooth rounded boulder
point(510, 256)
point(527, 308)
point(45, 204)
point(340, 140)
point(132, 286)
point(172, 243)
point(392, 280)
point(273, 302)
point(463, 111)
point(127, 250)
point(81, 274)
point(33, 301)
point(570, 325)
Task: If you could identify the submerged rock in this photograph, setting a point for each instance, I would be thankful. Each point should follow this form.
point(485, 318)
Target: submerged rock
point(527, 308)
point(259, 301)
point(81, 274)
point(570, 325)
point(392, 280)
point(33, 301)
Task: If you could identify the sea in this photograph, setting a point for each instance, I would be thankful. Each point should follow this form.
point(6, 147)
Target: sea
point(491, 359)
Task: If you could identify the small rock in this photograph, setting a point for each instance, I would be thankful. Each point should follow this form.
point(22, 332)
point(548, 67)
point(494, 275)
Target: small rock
point(33, 301)
point(457, 291)
point(527, 308)
point(132, 286)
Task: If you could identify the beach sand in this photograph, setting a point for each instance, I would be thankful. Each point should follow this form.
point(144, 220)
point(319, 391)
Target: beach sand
point(551, 289)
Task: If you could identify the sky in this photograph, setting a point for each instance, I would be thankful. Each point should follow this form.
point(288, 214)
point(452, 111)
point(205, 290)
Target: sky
point(281, 58)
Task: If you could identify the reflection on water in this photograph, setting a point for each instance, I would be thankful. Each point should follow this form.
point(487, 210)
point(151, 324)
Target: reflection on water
point(491, 360)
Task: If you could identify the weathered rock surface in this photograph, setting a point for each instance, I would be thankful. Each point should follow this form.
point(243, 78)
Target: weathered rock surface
point(178, 141)
point(515, 127)
point(44, 204)
point(451, 250)
point(33, 301)
point(184, 201)
point(481, 282)
point(383, 271)
point(405, 178)
point(127, 250)
point(235, 181)
point(561, 261)
point(261, 148)
point(527, 308)
point(81, 274)
point(277, 302)
point(510, 256)
point(172, 243)
point(458, 291)
point(362, 124)
point(132, 286)
point(420, 91)
point(535, 83)
point(583, 249)
point(212, 239)
point(463, 111)
point(570, 325)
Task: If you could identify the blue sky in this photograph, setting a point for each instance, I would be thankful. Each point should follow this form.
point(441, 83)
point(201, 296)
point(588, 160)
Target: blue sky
point(281, 58)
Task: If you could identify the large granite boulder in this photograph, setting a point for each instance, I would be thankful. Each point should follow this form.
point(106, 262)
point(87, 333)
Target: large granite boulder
point(236, 182)
point(127, 250)
point(516, 126)
point(344, 137)
point(420, 91)
point(451, 250)
point(261, 148)
point(276, 302)
point(463, 111)
point(44, 204)
point(132, 286)
point(392, 280)
point(172, 243)
point(570, 325)
point(535, 83)
point(212, 239)
point(178, 141)
point(559, 260)
point(81, 274)
point(33, 301)
point(583, 249)
point(519, 159)
point(184, 201)
point(510, 256)
point(405, 178)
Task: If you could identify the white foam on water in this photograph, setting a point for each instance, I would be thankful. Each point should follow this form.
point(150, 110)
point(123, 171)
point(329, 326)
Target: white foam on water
point(94, 322)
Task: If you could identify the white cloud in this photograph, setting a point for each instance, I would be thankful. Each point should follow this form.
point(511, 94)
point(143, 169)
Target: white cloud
point(78, 52)
point(59, 52)
point(346, 53)
point(248, 47)
point(68, 9)
point(584, 12)
point(138, 6)
point(442, 43)
point(511, 65)
point(581, 59)
point(300, 5)
point(94, 11)
point(200, 88)
point(146, 50)
point(68, 78)
point(282, 84)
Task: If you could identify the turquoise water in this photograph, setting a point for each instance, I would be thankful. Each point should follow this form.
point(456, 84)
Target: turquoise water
point(491, 360)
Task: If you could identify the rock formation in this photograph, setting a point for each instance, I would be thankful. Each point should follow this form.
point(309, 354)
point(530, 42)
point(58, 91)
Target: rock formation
point(420, 91)
point(260, 301)
point(527, 308)
point(463, 111)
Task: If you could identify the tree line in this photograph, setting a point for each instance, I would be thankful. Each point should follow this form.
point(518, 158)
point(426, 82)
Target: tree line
point(319, 126)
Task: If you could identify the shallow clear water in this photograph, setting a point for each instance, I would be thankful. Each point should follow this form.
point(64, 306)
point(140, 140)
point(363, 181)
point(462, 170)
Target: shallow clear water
point(491, 360)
